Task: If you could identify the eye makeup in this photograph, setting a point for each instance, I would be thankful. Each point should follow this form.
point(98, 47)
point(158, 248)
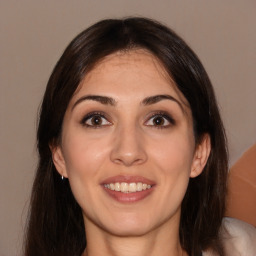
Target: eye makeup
point(160, 120)
point(157, 119)
point(95, 119)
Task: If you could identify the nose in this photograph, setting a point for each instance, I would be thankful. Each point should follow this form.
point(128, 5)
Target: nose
point(128, 147)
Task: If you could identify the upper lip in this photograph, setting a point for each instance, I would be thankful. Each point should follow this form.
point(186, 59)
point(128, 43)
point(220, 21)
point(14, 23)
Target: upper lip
point(127, 179)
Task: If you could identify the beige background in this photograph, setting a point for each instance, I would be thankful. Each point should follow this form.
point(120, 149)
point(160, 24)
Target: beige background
point(34, 34)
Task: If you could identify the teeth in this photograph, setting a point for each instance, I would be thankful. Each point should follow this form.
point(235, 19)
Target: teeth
point(139, 186)
point(127, 187)
point(132, 187)
point(144, 186)
point(124, 187)
point(117, 186)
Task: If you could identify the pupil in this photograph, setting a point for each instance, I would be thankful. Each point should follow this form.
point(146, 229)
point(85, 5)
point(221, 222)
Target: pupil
point(158, 121)
point(97, 120)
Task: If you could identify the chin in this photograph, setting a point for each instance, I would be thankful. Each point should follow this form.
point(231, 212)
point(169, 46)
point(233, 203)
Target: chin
point(128, 230)
point(129, 226)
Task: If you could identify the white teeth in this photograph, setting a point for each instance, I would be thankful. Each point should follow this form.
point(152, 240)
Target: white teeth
point(124, 187)
point(132, 187)
point(139, 186)
point(117, 186)
point(127, 187)
point(144, 186)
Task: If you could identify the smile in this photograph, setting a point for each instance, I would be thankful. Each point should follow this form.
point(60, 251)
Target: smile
point(125, 187)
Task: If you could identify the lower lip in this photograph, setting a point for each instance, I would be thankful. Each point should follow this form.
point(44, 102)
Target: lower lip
point(128, 197)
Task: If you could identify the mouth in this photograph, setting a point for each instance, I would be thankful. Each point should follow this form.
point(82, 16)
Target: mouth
point(128, 189)
point(125, 187)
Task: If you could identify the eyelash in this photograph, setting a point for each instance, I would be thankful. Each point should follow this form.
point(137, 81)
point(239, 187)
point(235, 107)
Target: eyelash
point(102, 115)
point(90, 116)
point(163, 115)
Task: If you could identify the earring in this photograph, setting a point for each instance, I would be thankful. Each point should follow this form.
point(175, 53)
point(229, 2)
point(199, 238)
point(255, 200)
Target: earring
point(62, 177)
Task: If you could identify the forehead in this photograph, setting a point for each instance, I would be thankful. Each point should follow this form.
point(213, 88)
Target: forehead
point(129, 70)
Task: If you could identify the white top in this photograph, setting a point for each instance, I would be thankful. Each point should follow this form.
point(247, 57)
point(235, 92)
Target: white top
point(239, 238)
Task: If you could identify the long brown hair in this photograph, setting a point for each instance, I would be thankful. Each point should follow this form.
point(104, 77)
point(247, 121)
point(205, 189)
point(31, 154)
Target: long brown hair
point(55, 223)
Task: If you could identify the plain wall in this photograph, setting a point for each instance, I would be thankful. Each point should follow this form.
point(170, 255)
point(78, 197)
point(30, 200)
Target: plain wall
point(35, 33)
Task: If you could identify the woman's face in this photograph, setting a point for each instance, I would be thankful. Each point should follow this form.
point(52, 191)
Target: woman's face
point(127, 146)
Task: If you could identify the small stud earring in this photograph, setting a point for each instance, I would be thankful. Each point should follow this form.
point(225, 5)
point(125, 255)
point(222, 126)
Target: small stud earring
point(62, 177)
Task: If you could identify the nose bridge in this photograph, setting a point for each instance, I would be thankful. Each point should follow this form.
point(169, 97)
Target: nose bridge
point(128, 147)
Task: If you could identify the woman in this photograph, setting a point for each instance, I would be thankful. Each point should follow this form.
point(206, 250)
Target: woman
point(133, 157)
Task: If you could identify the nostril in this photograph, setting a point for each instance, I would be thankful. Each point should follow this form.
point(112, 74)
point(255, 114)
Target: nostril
point(128, 148)
point(129, 159)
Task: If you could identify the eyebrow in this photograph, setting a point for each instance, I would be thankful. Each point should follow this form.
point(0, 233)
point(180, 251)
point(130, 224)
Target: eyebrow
point(156, 98)
point(112, 102)
point(101, 99)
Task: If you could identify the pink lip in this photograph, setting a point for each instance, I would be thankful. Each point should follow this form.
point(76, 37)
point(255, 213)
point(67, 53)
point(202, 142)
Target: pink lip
point(128, 197)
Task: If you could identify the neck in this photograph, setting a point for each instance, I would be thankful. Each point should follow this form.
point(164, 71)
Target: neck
point(132, 247)
point(162, 241)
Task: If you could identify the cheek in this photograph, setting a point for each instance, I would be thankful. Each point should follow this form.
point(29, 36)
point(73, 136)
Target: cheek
point(175, 154)
point(84, 159)
point(174, 159)
point(83, 156)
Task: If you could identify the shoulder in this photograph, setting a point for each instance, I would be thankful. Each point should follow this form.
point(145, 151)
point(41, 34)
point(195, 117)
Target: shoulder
point(239, 238)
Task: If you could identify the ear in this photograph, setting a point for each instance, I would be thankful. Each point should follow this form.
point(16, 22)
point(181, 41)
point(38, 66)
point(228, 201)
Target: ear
point(58, 160)
point(201, 155)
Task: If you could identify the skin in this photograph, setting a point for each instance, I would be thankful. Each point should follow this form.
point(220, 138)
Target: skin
point(128, 142)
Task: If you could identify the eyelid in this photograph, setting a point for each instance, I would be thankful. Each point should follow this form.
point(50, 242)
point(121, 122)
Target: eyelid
point(164, 115)
point(91, 115)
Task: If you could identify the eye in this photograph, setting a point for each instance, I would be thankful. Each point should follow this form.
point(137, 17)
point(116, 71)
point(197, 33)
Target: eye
point(95, 120)
point(160, 120)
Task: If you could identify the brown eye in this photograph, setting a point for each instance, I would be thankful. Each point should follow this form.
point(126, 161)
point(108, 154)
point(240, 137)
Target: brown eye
point(95, 120)
point(159, 120)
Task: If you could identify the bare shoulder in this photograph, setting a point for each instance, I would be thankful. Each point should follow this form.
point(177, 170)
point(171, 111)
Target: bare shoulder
point(239, 237)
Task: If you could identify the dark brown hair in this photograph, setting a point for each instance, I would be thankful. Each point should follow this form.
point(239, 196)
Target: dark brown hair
point(55, 223)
